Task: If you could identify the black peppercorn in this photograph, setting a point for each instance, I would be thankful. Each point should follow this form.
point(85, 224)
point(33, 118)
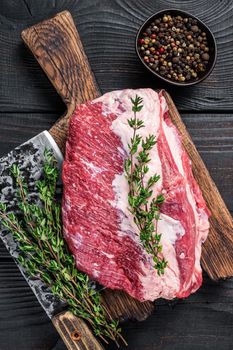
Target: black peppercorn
point(194, 29)
point(175, 47)
point(175, 59)
point(205, 56)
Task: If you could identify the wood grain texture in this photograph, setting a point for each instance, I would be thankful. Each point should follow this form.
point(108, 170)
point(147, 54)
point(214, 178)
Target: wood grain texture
point(11, 123)
point(217, 251)
point(213, 136)
point(107, 28)
point(23, 323)
point(122, 307)
point(203, 321)
point(75, 333)
point(56, 45)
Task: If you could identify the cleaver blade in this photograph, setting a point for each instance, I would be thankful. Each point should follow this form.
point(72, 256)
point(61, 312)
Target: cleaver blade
point(29, 157)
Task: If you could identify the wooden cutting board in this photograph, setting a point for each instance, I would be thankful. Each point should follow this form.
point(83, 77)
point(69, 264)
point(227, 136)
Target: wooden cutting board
point(57, 46)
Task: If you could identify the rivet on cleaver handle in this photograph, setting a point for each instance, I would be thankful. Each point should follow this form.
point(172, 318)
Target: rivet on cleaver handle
point(75, 332)
point(56, 45)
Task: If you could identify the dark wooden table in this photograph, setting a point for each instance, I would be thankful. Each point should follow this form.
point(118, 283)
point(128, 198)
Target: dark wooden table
point(29, 104)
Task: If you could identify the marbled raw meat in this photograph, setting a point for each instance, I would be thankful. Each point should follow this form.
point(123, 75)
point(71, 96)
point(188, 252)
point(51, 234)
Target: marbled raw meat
point(98, 226)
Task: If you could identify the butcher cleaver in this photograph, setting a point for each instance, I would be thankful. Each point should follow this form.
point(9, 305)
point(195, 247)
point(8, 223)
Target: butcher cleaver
point(29, 157)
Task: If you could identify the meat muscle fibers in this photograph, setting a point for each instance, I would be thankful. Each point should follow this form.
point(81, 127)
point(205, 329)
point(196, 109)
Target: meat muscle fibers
point(98, 226)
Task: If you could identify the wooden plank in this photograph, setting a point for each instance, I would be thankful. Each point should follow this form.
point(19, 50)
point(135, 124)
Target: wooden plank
point(18, 128)
point(202, 321)
point(24, 324)
point(14, 9)
point(107, 30)
point(213, 136)
point(3, 252)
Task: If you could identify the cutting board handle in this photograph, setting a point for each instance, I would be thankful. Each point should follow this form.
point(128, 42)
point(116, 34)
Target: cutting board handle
point(75, 333)
point(56, 45)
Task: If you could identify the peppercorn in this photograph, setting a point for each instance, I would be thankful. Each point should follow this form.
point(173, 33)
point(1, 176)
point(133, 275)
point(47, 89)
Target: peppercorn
point(175, 59)
point(205, 56)
point(201, 67)
point(182, 78)
point(195, 29)
point(175, 47)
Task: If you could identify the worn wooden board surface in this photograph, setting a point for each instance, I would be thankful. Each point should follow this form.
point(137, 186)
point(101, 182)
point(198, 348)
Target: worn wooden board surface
point(28, 104)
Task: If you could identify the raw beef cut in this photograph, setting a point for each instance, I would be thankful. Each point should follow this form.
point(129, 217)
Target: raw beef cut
point(98, 226)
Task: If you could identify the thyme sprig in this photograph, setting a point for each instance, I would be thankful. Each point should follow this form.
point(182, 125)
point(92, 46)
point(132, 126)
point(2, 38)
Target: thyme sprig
point(146, 212)
point(44, 252)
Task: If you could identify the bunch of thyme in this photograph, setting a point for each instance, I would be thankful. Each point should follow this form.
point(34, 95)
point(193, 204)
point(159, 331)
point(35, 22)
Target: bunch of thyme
point(44, 252)
point(146, 213)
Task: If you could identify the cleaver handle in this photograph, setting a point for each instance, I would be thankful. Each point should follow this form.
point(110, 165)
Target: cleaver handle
point(57, 46)
point(75, 333)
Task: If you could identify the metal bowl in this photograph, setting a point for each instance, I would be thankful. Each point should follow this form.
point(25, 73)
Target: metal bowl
point(210, 39)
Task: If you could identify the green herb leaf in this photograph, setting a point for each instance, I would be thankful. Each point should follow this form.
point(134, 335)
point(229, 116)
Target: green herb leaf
point(136, 167)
